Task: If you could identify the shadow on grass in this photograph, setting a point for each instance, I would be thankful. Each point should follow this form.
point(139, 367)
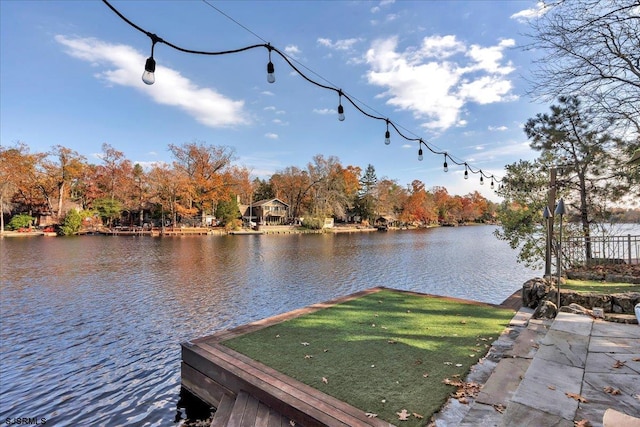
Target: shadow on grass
point(383, 352)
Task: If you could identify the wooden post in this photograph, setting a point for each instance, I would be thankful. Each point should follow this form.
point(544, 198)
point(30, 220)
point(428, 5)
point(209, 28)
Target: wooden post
point(551, 202)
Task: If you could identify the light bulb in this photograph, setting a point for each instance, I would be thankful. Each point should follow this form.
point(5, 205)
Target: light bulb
point(446, 167)
point(271, 77)
point(340, 113)
point(481, 180)
point(492, 185)
point(420, 154)
point(387, 138)
point(149, 69)
point(466, 172)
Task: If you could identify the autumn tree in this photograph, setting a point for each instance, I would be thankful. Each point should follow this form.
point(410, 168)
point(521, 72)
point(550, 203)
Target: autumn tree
point(65, 171)
point(203, 166)
point(419, 206)
point(23, 181)
point(391, 197)
point(599, 38)
point(112, 175)
point(292, 185)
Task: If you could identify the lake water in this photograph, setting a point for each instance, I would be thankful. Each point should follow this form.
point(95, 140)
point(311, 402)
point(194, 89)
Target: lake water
point(91, 326)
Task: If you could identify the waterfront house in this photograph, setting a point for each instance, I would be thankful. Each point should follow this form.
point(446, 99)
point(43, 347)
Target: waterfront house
point(267, 212)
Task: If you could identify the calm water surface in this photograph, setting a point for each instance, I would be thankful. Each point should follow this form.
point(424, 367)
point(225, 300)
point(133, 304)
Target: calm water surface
point(91, 326)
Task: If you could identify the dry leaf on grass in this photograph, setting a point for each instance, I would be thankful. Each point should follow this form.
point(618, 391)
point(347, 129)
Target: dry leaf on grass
point(636, 359)
point(582, 423)
point(403, 415)
point(551, 387)
point(292, 423)
point(418, 416)
point(425, 375)
point(325, 380)
point(611, 390)
point(370, 415)
point(577, 397)
point(304, 343)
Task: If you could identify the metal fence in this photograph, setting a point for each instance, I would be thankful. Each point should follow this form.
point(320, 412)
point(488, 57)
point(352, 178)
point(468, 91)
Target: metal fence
point(604, 250)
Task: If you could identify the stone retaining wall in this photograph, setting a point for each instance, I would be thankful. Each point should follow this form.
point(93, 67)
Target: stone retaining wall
point(537, 290)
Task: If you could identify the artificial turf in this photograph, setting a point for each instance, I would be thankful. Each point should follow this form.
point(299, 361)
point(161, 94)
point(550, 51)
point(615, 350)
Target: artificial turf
point(383, 352)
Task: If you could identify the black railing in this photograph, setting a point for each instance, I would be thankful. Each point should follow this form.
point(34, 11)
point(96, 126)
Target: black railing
point(604, 250)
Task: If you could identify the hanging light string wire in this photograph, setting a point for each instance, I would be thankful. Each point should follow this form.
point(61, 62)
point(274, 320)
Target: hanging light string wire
point(156, 39)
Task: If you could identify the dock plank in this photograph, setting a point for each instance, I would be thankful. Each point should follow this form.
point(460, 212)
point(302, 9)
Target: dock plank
point(223, 411)
point(237, 412)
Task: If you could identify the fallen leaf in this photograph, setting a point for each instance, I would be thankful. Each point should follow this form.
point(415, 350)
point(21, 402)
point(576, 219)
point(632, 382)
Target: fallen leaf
point(325, 380)
point(373, 366)
point(325, 350)
point(403, 415)
point(418, 362)
point(582, 423)
point(392, 342)
point(292, 423)
point(499, 408)
point(458, 365)
point(425, 375)
point(636, 359)
point(618, 364)
point(278, 336)
point(463, 400)
point(551, 387)
point(448, 363)
point(308, 356)
point(577, 397)
point(373, 325)
point(384, 401)
point(464, 322)
point(611, 390)
point(370, 415)
point(418, 416)
point(304, 343)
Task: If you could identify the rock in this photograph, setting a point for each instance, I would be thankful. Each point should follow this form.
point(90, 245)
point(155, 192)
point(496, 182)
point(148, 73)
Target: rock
point(575, 309)
point(534, 291)
point(545, 310)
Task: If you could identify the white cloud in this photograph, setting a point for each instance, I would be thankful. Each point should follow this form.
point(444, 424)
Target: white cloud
point(527, 14)
point(271, 135)
point(437, 79)
point(267, 93)
point(344, 44)
point(324, 111)
point(269, 108)
point(498, 128)
point(292, 50)
point(122, 65)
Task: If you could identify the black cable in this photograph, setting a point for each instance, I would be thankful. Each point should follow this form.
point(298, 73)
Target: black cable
point(156, 39)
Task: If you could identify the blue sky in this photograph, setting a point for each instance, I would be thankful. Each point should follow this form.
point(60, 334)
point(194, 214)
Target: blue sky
point(451, 72)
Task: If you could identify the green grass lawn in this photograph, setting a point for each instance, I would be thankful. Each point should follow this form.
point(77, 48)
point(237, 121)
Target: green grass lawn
point(383, 352)
point(599, 287)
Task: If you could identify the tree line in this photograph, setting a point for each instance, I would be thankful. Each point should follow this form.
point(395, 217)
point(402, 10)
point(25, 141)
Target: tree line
point(202, 181)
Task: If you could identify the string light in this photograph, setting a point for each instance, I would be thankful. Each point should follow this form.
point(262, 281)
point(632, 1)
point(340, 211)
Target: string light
point(271, 77)
point(149, 78)
point(387, 135)
point(492, 184)
point(340, 107)
point(150, 65)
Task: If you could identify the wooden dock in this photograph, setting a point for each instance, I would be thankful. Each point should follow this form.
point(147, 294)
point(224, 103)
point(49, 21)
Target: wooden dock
point(249, 393)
